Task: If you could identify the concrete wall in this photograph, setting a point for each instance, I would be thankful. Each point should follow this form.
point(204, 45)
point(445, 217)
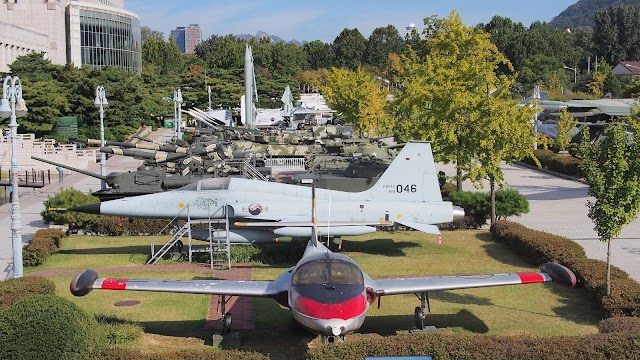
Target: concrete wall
point(16, 41)
point(27, 146)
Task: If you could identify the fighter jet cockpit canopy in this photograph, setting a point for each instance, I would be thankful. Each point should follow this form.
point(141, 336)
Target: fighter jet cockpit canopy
point(328, 271)
point(208, 184)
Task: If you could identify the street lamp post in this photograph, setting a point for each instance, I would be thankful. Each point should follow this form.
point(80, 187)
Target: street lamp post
point(101, 103)
point(11, 106)
point(177, 101)
point(536, 99)
point(575, 76)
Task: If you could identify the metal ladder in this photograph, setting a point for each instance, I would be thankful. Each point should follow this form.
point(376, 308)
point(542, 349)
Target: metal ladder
point(218, 240)
point(155, 256)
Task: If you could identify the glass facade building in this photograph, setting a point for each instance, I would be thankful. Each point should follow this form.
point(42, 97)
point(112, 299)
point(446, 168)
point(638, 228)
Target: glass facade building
point(110, 40)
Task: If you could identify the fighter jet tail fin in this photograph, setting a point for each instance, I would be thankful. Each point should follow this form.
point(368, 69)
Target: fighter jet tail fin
point(412, 176)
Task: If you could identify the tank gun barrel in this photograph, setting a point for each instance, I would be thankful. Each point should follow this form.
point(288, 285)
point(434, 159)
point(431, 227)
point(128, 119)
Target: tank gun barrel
point(127, 145)
point(157, 156)
point(88, 173)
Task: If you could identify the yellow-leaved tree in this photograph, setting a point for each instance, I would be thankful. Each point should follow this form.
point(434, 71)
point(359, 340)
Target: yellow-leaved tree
point(454, 97)
point(359, 100)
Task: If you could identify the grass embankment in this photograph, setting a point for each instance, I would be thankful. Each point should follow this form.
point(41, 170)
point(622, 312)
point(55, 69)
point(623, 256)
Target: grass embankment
point(539, 309)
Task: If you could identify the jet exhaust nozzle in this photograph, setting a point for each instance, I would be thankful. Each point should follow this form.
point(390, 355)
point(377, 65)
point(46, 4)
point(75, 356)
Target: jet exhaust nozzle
point(458, 213)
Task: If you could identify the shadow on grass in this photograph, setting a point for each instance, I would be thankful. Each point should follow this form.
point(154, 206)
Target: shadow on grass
point(141, 249)
point(500, 252)
point(186, 328)
point(465, 299)
point(578, 306)
point(390, 324)
point(386, 247)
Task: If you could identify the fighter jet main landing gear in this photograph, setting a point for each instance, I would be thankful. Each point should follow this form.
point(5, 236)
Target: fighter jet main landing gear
point(225, 318)
point(419, 311)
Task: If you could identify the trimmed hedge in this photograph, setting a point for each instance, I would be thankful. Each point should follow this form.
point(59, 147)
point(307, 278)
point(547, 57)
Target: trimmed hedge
point(14, 290)
point(44, 243)
point(122, 226)
point(564, 164)
point(619, 324)
point(445, 346)
point(126, 353)
point(48, 327)
point(538, 247)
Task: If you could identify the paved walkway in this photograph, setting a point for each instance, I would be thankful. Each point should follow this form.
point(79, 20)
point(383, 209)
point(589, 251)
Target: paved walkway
point(558, 206)
point(31, 201)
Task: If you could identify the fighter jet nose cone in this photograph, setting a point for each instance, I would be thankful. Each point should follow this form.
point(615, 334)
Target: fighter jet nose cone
point(89, 209)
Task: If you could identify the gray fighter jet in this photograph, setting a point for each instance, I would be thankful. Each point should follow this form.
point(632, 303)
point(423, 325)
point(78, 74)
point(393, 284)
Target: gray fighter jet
point(407, 193)
point(327, 293)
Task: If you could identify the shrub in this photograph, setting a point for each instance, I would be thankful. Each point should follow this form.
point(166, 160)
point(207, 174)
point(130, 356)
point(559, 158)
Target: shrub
point(125, 353)
point(464, 346)
point(477, 205)
point(44, 243)
point(121, 226)
point(56, 235)
point(510, 202)
point(448, 188)
point(48, 327)
point(264, 254)
point(536, 247)
point(567, 165)
point(14, 290)
point(619, 324)
point(68, 198)
point(34, 256)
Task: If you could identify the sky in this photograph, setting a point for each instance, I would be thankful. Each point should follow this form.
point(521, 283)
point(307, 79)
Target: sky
point(324, 20)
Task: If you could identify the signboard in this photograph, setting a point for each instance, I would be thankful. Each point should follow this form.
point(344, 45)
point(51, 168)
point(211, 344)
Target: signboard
point(168, 124)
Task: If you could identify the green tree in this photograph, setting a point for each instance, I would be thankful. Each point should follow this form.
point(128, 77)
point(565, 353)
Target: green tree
point(65, 199)
point(617, 33)
point(319, 55)
point(612, 170)
point(147, 32)
point(565, 124)
point(349, 48)
point(382, 42)
point(508, 37)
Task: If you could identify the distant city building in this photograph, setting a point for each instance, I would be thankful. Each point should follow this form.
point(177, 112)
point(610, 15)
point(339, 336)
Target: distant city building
point(97, 33)
point(187, 38)
point(410, 28)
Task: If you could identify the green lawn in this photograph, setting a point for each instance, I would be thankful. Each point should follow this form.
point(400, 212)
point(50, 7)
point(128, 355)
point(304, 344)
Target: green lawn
point(539, 309)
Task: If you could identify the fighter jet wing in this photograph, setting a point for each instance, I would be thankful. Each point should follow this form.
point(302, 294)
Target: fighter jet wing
point(88, 280)
point(549, 272)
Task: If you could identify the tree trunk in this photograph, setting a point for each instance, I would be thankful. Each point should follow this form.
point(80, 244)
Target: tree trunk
point(493, 200)
point(609, 267)
point(458, 179)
